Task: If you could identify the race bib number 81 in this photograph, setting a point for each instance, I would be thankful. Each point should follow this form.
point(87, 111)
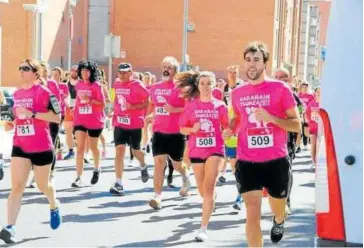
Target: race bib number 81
point(205, 142)
point(260, 137)
point(25, 130)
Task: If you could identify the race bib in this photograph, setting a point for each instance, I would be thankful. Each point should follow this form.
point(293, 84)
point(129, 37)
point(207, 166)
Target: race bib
point(25, 130)
point(161, 111)
point(315, 117)
point(260, 137)
point(124, 120)
point(85, 110)
point(205, 142)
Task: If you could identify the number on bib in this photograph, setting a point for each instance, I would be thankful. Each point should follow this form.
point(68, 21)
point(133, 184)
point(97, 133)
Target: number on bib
point(315, 117)
point(85, 110)
point(161, 111)
point(205, 142)
point(25, 130)
point(124, 120)
point(260, 137)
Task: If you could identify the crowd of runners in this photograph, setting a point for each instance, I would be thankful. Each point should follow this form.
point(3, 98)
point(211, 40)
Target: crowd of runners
point(192, 122)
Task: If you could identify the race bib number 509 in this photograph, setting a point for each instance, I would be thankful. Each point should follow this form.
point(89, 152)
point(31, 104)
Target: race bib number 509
point(260, 137)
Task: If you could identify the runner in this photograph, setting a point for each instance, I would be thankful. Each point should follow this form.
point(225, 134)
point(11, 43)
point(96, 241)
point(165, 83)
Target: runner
point(57, 74)
point(145, 134)
point(35, 107)
point(306, 97)
point(203, 119)
point(89, 118)
point(282, 74)
point(264, 110)
point(53, 127)
point(108, 109)
point(233, 82)
point(166, 107)
point(68, 119)
point(128, 120)
point(312, 114)
point(230, 144)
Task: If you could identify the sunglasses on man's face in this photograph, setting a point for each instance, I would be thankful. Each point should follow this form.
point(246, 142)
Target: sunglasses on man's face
point(25, 68)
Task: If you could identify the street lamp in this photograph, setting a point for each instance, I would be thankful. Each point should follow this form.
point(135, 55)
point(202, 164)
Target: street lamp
point(71, 5)
point(187, 27)
point(37, 10)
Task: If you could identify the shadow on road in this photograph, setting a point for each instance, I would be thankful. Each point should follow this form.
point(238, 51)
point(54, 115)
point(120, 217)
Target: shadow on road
point(24, 241)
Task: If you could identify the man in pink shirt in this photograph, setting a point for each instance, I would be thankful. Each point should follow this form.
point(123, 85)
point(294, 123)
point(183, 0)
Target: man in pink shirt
point(131, 101)
point(264, 111)
point(166, 106)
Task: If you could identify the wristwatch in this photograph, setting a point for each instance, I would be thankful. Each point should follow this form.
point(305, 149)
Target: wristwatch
point(34, 114)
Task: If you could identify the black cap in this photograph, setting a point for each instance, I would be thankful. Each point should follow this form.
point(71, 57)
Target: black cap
point(125, 67)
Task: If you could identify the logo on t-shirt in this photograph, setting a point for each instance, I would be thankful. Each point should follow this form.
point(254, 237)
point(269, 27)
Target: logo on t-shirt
point(250, 111)
point(207, 126)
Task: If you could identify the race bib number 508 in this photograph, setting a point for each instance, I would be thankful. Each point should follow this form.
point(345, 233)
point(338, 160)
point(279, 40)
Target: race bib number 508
point(260, 137)
point(205, 142)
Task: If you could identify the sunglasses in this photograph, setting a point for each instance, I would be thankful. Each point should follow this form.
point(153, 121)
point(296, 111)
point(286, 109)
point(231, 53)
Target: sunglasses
point(25, 68)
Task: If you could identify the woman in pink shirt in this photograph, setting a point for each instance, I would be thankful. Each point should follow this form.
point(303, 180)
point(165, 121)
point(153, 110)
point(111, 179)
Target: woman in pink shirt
point(89, 118)
point(203, 119)
point(312, 115)
point(35, 107)
point(53, 127)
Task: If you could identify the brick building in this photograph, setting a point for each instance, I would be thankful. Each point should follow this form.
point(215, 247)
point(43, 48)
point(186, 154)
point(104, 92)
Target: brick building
point(152, 29)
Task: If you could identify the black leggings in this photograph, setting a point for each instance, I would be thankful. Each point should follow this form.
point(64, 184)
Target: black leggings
point(170, 167)
point(290, 182)
point(54, 129)
point(304, 137)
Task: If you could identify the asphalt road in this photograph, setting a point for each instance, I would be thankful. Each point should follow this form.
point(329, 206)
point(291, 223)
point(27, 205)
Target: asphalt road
point(92, 217)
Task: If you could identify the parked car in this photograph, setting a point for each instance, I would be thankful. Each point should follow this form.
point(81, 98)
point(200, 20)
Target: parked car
point(6, 108)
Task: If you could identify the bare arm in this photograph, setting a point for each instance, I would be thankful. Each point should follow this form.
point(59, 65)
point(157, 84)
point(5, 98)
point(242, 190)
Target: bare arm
point(292, 123)
point(142, 105)
point(49, 116)
point(185, 130)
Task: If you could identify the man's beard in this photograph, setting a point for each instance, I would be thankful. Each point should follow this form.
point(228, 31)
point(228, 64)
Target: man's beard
point(256, 76)
point(75, 77)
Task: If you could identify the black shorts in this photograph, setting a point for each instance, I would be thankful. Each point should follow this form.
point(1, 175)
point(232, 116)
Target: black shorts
point(172, 145)
point(131, 137)
point(272, 175)
point(36, 158)
point(203, 160)
point(93, 133)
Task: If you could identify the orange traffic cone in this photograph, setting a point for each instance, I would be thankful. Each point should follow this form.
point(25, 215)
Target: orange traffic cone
point(265, 193)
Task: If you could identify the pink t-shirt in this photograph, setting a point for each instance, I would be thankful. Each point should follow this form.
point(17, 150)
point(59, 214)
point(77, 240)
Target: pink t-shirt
point(162, 93)
point(132, 92)
point(306, 98)
point(32, 135)
point(217, 93)
point(53, 86)
point(64, 92)
point(89, 115)
point(213, 117)
point(313, 112)
point(259, 141)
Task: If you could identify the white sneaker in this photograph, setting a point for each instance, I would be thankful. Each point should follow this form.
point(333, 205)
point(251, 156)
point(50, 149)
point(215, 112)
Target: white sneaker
point(185, 187)
point(201, 235)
